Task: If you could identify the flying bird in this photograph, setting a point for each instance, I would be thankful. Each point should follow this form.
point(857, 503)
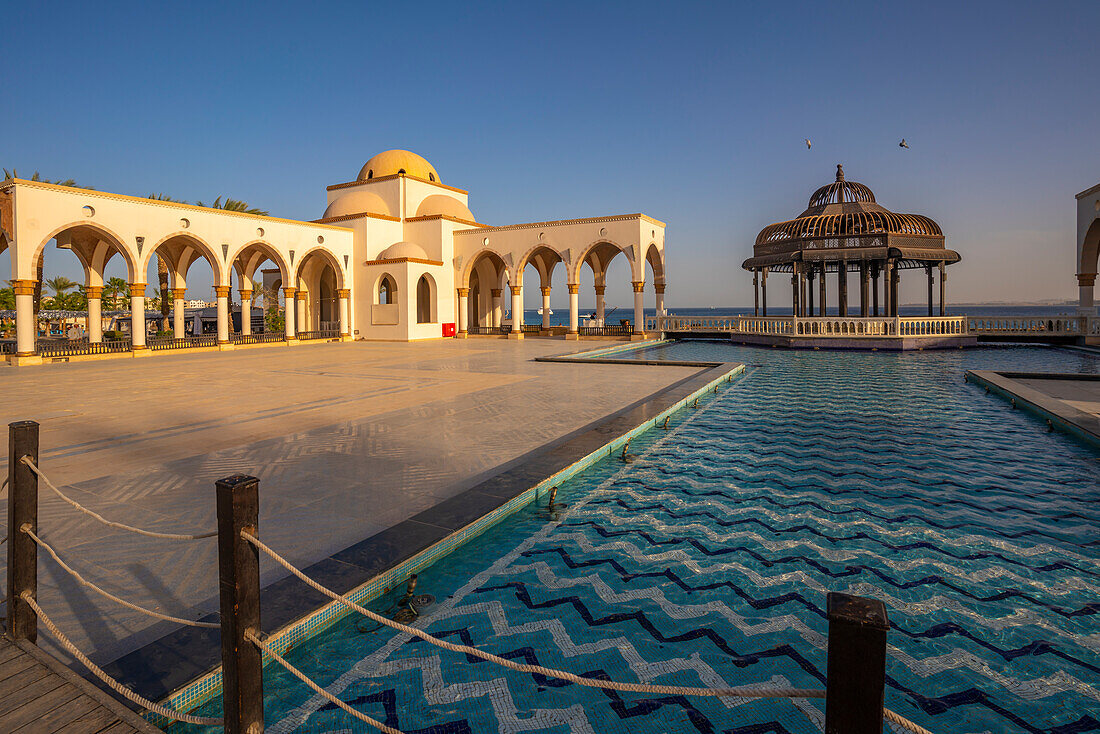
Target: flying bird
point(903, 144)
point(808, 144)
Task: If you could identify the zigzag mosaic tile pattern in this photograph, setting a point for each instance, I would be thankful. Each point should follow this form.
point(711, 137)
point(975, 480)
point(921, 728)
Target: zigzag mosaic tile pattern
point(705, 560)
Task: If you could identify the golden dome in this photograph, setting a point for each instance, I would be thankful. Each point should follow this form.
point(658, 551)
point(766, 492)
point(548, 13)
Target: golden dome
point(393, 162)
point(357, 202)
point(403, 249)
point(441, 204)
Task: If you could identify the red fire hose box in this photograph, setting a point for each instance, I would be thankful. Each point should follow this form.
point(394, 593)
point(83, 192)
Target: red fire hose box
point(448, 329)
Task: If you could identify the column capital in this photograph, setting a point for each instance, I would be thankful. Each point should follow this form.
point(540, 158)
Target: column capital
point(1086, 279)
point(496, 292)
point(246, 295)
point(137, 290)
point(23, 287)
point(601, 289)
point(179, 293)
point(302, 295)
point(545, 290)
point(289, 291)
point(463, 292)
point(222, 291)
point(574, 288)
point(517, 290)
point(659, 288)
point(639, 285)
point(343, 292)
point(93, 291)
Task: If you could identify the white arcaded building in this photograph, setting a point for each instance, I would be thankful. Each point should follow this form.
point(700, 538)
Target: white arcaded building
point(398, 255)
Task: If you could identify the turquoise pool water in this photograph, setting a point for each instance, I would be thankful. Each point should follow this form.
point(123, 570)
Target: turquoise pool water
point(705, 561)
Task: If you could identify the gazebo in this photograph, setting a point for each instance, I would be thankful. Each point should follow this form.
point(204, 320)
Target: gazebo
point(844, 230)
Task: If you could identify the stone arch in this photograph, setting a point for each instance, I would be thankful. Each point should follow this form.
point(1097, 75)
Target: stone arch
point(180, 260)
point(390, 283)
point(473, 262)
point(1090, 249)
point(255, 253)
point(327, 255)
point(544, 258)
point(598, 255)
point(656, 260)
point(93, 244)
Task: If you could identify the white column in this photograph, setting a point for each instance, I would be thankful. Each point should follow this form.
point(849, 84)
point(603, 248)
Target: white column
point(546, 307)
point(221, 293)
point(25, 327)
point(517, 309)
point(178, 315)
point(660, 301)
point(600, 290)
point(301, 320)
point(496, 306)
point(342, 296)
point(137, 316)
point(95, 313)
point(463, 309)
point(246, 312)
point(639, 306)
point(574, 307)
point(288, 312)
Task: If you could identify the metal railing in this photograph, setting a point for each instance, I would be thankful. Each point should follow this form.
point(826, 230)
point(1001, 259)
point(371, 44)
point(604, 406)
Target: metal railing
point(325, 334)
point(483, 330)
point(263, 338)
point(81, 346)
point(162, 343)
point(530, 328)
point(606, 330)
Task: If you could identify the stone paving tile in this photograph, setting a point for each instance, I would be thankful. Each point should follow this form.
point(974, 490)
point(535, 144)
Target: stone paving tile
point(349, 440)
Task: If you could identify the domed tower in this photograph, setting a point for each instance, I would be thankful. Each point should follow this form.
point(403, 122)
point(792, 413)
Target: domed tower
point(843, 229)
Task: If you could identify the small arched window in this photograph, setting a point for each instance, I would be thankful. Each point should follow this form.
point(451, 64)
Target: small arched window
point(431, 176)
point(424, 301)
point(370, 174)
point(387, 290)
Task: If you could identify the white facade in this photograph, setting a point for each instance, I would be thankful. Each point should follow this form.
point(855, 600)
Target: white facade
point(1088, 247)
point(398, 255)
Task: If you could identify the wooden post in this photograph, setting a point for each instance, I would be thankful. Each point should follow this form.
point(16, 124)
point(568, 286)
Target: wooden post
point(239, 571)
point(856, 664)
point(22, 510)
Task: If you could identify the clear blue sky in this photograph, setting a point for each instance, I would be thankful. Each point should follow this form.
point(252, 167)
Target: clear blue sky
point(694, 114)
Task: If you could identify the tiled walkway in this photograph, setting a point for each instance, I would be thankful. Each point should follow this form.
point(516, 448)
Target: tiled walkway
point(347, 439)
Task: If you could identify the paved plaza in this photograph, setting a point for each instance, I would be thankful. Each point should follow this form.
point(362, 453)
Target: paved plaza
point(1082, 394)
point(347, 440)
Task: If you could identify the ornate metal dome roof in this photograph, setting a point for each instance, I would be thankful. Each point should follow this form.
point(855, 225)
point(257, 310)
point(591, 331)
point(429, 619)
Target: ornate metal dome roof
point(841, 191)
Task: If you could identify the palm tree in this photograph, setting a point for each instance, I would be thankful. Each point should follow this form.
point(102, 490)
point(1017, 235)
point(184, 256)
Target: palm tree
point(234, 205)
point(116, 289)
point(59, 285)
point(7, 298)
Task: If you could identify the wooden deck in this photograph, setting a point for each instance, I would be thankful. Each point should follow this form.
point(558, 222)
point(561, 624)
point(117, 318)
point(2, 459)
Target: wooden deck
point(38, 695)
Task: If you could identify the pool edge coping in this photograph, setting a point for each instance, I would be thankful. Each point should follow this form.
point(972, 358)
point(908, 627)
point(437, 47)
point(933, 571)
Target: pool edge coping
point(1057, 412)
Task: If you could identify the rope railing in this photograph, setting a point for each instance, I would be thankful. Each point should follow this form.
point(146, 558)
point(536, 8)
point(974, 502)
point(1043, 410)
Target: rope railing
point(170, 714)
point(118, 600)
point(318, 689)
point(110, 523)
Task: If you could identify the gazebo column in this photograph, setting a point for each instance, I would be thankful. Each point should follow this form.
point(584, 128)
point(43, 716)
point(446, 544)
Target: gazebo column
point(517, 312)
point(874, 288)
point(755, 292)
point(288, 313)
point(943, 290)
point(463, 311)
point(497, 309)
point(95, 313)
point(639, 306)
point(600, 304)
point(342, 297)
point(545, 290)
point(810, 292)
point(764, 293)
point(796, 286)
point(928, 268)
point(178, 313)
point(822, 294)
point(842, 288)
point(574, 308)
point(137, 316)
point(887, 279)
point(301, 311)
point(221, 294)
point(246, 312)
point(25, 326)
point(895, 281)
point(864, 287)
